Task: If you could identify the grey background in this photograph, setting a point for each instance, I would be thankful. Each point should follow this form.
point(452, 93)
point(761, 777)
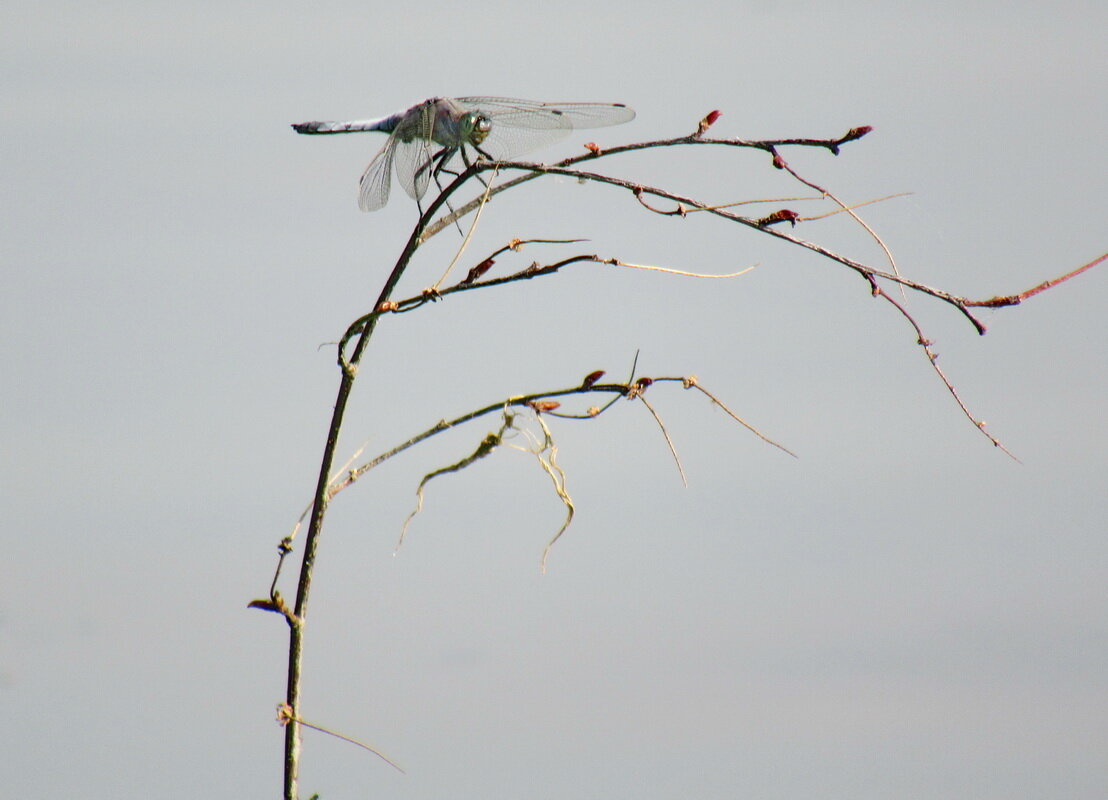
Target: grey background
point(902, 612)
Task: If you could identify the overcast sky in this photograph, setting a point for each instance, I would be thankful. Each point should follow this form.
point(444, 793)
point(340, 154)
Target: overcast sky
point(901, 612)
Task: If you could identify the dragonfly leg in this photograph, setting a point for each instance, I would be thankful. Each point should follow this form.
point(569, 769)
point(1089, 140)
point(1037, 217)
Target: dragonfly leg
point(465, 159)
point(437, 164)
point(433, 165)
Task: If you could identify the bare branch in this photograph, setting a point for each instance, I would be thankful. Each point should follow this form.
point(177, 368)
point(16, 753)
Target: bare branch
point(594, 152)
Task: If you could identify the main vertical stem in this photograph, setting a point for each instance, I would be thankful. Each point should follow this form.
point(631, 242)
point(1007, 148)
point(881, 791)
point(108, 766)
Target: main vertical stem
point(319, 506)
point(296, 624)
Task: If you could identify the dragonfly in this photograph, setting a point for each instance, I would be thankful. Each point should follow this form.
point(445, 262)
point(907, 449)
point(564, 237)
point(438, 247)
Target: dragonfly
point(426, 137)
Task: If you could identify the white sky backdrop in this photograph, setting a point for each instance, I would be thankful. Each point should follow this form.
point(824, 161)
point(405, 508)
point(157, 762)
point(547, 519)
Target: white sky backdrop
point(902, 612)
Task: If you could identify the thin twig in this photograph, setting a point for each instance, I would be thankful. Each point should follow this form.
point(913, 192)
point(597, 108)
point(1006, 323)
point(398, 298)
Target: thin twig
point(781, 163)
point(767, 145)
point(285, 716)
point(665, 433)
point(933, 359)
point(469, 233)
point(693, 383)
point(1016, 299)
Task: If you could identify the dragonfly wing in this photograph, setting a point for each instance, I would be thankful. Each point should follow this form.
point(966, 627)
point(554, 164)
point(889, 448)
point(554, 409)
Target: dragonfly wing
point(530, 114)
point(373, 187)
point(414, 162)
point(504, 142)
point(519, 126)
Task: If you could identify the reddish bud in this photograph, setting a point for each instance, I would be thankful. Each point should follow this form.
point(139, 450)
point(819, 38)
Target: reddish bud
point(642, 383)
point(592, 378)
point(784, 215)
point(778, 162)
point(544, 405)
point(593, 148)
point(857, 133)
point(478, 271)
point(708, 121)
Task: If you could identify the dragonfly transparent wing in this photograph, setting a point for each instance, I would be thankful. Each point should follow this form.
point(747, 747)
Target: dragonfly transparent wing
point(414, 162)
point(373, 187)
point(519, 126)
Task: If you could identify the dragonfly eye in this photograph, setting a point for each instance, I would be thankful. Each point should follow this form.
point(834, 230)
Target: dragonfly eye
point(479, 128)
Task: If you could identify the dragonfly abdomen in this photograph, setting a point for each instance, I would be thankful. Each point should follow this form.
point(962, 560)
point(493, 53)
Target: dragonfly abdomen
point(350, 126)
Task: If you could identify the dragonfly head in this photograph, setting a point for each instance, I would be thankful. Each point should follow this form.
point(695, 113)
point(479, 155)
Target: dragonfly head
point(476, 127)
